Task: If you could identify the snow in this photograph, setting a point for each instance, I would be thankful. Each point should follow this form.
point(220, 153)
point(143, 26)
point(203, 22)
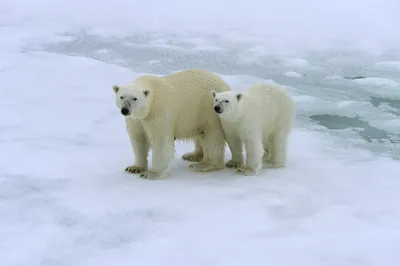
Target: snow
point(384, 82)
point(380, 86)
point(66, 200)
point(296, 62)
point(333, 77)
point(293, 74)
point(102, 51)
point(389, 64)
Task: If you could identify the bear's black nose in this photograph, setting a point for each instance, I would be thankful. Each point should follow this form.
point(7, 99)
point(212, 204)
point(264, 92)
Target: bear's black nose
point(125, 111)
point(217, 109)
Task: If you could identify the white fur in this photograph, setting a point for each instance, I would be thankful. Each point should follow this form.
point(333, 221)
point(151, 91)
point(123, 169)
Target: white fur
point(261, 118)
point(159, 110)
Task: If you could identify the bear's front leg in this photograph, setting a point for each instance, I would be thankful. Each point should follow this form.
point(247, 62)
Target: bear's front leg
point(140, 146)
point(236, 146)
point(163, 153)
point(254, 153)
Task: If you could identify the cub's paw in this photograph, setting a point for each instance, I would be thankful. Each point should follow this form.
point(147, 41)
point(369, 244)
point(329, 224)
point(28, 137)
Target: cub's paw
point(135, 169)
point(233, 164)
point(153, 176)
point(192, 157)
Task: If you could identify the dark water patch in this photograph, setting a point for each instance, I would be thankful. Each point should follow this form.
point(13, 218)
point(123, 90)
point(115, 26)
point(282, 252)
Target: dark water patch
point(357, 77)
point(376, 101)
point(367, 132)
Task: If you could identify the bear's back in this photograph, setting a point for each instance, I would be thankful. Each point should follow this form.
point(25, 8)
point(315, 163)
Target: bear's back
point(197, 79)
point(184, 98)
point(273, 104)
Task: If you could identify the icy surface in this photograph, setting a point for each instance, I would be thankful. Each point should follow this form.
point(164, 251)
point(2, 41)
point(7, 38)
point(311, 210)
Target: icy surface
point(293, 74)
point(65, 199)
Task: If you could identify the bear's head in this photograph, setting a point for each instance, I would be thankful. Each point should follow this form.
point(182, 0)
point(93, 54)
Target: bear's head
point(227, 104)
point(132, 99)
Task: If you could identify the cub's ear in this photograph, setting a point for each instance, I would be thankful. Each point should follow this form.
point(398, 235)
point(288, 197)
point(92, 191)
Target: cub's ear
point(239, 96)
point(115, 88)
point(213, 93)
point(146, 93)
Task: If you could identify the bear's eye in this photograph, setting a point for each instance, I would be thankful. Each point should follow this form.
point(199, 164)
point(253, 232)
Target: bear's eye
point(135, 99)
point(122, 97)
point(227, 101)
point(216, 100)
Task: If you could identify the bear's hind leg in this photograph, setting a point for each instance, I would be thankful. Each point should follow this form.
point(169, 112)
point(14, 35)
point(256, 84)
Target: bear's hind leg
point(197, 154)
point(267, 150)
point(213, 143)
point(279, 146)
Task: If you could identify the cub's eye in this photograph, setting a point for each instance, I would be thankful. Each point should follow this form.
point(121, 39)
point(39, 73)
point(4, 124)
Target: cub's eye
point(216, 100)
point(227, 101)
point(121, 97)
point(135, 99)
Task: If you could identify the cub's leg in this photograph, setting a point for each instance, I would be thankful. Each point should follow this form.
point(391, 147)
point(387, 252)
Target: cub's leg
point(236, 146)
point(254, 152)
point(279, 146)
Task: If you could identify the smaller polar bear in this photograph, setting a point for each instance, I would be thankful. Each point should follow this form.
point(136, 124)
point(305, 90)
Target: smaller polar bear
point(260, 118)
point(160, 110)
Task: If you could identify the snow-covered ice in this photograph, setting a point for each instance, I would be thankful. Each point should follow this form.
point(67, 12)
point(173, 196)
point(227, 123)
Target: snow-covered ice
point(333, 77)
point(66, 200)
point(383, 82)
point(293, 74)
point(389, 64)
point(381, 86)
point(297, 62)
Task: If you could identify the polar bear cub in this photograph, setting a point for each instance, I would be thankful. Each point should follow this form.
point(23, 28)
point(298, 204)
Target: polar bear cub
point(261, 118)
point(159, 110)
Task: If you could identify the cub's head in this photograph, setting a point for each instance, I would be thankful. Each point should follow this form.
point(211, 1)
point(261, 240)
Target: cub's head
point(132, 99)
point(226, 103)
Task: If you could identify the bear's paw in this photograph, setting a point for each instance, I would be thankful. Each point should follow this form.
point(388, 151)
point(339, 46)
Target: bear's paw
point(233, 164)
point(153, 176)
point(135, 169)
point(192, 157)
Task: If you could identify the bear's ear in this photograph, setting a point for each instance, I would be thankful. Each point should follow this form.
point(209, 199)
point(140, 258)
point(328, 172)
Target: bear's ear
point(239, 96)
point(213, 93)
point(146, 92)
point(115, 88)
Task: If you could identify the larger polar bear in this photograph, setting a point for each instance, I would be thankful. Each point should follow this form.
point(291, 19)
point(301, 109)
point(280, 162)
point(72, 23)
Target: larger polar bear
point(159, 110)
point(261, 118)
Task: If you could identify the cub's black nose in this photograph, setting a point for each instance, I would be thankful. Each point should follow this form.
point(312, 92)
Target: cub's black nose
point(217, 109)
point(125, 111)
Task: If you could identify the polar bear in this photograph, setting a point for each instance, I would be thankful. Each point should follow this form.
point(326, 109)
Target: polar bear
point(159, 110)
point(261, 118)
